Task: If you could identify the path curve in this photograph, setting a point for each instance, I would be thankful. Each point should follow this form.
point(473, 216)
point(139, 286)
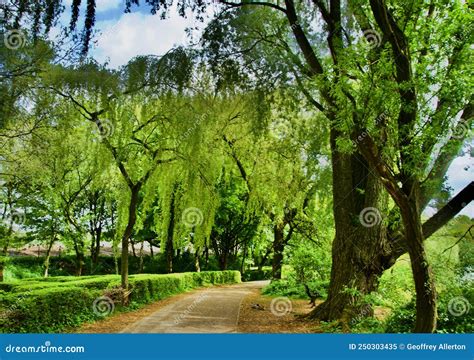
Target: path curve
point(211, 310)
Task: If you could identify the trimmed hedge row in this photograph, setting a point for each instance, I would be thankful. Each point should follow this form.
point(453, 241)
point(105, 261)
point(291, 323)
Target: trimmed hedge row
point(92, 282)
point(24, 267)
point(42, 306)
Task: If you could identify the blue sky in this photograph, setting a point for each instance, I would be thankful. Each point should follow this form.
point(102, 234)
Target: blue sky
point(122, 36)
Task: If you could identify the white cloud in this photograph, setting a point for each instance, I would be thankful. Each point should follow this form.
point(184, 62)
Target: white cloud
point(138, 34)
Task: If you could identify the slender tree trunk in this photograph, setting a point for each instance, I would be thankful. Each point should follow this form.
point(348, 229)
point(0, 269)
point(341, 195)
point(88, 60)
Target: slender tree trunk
point(151, 249)
point(95, 249)
point(114, 243)
point(426, 312)
point(244, 255)
point(140, 268)
point(132, 217)
point(196, 261)
point(48, 253)
point(170, 235)
point(7, 238)
point(278, 248)
point(79, 249)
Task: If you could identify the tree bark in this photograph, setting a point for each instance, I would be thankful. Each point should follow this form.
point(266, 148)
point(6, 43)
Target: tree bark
point(151, 249)
point(197, 266)
point(97, 208)
point(170, 235)
point(79, 249)
point(140, 268)
point(424, 284)
point(223, 260)
point(359, 253)
point(278, 248)
point(48, 253)
point(408, 199)
point(132, 218)
point(95, 249)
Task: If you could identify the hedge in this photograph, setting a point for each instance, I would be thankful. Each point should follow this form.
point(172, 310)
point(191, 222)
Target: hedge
point(24, 267)
point(41, 306)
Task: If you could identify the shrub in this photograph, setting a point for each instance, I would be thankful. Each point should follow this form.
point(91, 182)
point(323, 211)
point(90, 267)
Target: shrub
point(52, 306)
point(22, 267)
point(49, 310)
point(454, 312)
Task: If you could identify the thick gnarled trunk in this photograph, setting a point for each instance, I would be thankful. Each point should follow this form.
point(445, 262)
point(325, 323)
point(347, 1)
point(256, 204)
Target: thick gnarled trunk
point(360, 247)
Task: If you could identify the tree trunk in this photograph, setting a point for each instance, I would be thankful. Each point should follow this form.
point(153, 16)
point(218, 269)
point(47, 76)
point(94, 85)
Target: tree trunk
point(278, 248)
point(197, 266)
point(79, 249)
point(132, 218)
point(170, 235)
point(223, 260)
point(151, 250)
point(244, 255)
point(359, 253)
point(46, 260)
point(95, 248)
point(116, 256)
point(140, 267)
point(426, 312)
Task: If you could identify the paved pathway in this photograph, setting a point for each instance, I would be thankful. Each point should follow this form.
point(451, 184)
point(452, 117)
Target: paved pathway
point(212, 310)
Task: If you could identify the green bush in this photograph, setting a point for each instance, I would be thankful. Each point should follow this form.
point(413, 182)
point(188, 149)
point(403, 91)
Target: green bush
point(98, 282)
point(455, 314)
point(22, 267)
point(48, 310)
point(52, 306)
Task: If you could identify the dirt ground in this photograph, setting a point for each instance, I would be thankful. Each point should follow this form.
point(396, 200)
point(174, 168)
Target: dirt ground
point(287, 315)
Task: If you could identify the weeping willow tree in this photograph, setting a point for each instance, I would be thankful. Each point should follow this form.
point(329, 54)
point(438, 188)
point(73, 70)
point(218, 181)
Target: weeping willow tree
point(159, 137)
point(281, 167)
